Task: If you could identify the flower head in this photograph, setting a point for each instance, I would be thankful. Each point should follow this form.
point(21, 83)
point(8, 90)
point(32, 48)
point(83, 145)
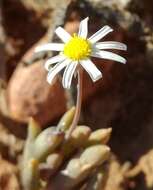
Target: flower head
point(77, 50)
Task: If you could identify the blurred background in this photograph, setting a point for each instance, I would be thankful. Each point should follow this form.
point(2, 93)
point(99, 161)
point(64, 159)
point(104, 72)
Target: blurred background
point(123, 99)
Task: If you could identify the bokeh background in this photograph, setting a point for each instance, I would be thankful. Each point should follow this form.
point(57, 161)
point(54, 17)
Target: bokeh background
point(123, 99)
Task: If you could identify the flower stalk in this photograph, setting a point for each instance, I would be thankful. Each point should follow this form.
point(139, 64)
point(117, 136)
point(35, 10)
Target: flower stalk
point(78, 103)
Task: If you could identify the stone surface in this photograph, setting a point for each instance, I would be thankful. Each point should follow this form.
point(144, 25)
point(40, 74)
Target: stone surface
point(117, 175)
point(2, 50)
point(8, 176)
point(145, 166)
point(29, 95)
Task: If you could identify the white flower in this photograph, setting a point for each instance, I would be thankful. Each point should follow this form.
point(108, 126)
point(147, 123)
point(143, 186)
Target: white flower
point(77, 50)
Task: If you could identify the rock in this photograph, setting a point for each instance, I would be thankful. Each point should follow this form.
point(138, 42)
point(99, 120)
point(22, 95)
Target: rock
point(2, 50)
point(116, 175)
point(10, 145)
point(8, 176)
point(30, 101)
point(29, 95)
point(145, 166)
point(110, 3)
point(2, 61)
point(143, 9)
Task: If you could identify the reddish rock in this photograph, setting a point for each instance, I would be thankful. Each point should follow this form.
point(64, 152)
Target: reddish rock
point(8, 176)
point(30, 95)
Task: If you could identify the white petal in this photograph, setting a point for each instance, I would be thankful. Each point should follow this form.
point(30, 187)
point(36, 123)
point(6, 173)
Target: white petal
point(62, 34)
point(83, 28)
point(92, 70)
point(49, 47)
point(56, 69)
point(111, 45)
point(55, 59)
point(108, 55)
point(68, 74)
point(100, 34)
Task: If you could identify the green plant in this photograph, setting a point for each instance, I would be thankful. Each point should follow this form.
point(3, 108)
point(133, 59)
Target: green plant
point(52, 161)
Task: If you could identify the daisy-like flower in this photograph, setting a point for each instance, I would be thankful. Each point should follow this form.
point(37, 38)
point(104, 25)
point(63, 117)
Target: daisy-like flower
point(77, 50)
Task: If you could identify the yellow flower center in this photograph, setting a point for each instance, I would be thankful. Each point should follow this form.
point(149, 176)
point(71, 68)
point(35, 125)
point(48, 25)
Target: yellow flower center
point(77, 48)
